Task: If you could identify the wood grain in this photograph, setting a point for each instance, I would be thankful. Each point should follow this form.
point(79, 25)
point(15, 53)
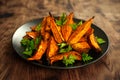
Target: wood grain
point(14, 13)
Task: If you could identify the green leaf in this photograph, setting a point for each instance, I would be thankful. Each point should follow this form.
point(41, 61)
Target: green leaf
point(37, 41)
point(29, 46)
point(28, 52)
point(74, 25)
point(32, 44)
point(24, 42)
point(59, 22)
point(62, 51)
point(38, 27)
point(86, 57)
point(61, 45)
point(64, 47)
point(62, 20)
point(69, 60)
point(69, 48)
point(80, 23)
point(100, 40)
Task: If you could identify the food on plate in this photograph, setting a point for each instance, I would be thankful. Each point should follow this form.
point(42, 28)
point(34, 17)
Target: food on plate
point(66, 29)
point(94, 43)
point(40, 51)
point(52, 48)
point(80, 31)
point(61, 39)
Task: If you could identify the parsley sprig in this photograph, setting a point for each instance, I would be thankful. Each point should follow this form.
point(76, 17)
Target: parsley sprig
point(30, 45)
point(86, 57)
point(69, 60)
point(64, 47)
point(100, 40)
point(75, 25)
point(38, 27)
point(62, 20)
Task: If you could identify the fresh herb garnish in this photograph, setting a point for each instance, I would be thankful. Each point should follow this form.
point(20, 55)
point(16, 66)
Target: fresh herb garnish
point(86, 57)
point(38, 27)
point(64, 47)
point(24, 42)
point(30, 45)
point(100, 40)
point(61, 45)
point(69, 60)
point(75, 25)
point(37, 41)
point(62, 20)
point(80, 23)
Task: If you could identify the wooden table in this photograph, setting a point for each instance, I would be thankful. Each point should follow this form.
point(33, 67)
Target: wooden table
point(14, 13)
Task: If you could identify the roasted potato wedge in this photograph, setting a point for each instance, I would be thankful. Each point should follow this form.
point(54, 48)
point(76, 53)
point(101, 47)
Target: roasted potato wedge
point(81, 47)
point(52, 48)
point(40, 51)
point(94, 43)
point(67, 29)
point(80, 31)
point(32, 34)
point(55, 31)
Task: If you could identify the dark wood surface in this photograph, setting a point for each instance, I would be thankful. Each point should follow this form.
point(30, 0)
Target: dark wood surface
point(14, 13)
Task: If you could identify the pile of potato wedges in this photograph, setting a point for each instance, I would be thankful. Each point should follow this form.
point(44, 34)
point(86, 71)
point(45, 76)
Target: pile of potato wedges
point(82, 39)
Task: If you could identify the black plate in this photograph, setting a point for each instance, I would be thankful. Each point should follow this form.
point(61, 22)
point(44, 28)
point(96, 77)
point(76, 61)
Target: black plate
point(21, 31)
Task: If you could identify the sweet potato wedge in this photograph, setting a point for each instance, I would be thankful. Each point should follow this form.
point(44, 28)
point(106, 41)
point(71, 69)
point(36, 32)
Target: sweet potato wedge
point(32, 34)
point(60, 33)
point(40, 51)
point(80, 31)
point(94, 43)
point(55, 31)
point(43, 24)
point(81, 47)
point(52, 48)
point(67, 29)
point(61, 56)
point(83, 39)
point(46, 36)
point(33, 28)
